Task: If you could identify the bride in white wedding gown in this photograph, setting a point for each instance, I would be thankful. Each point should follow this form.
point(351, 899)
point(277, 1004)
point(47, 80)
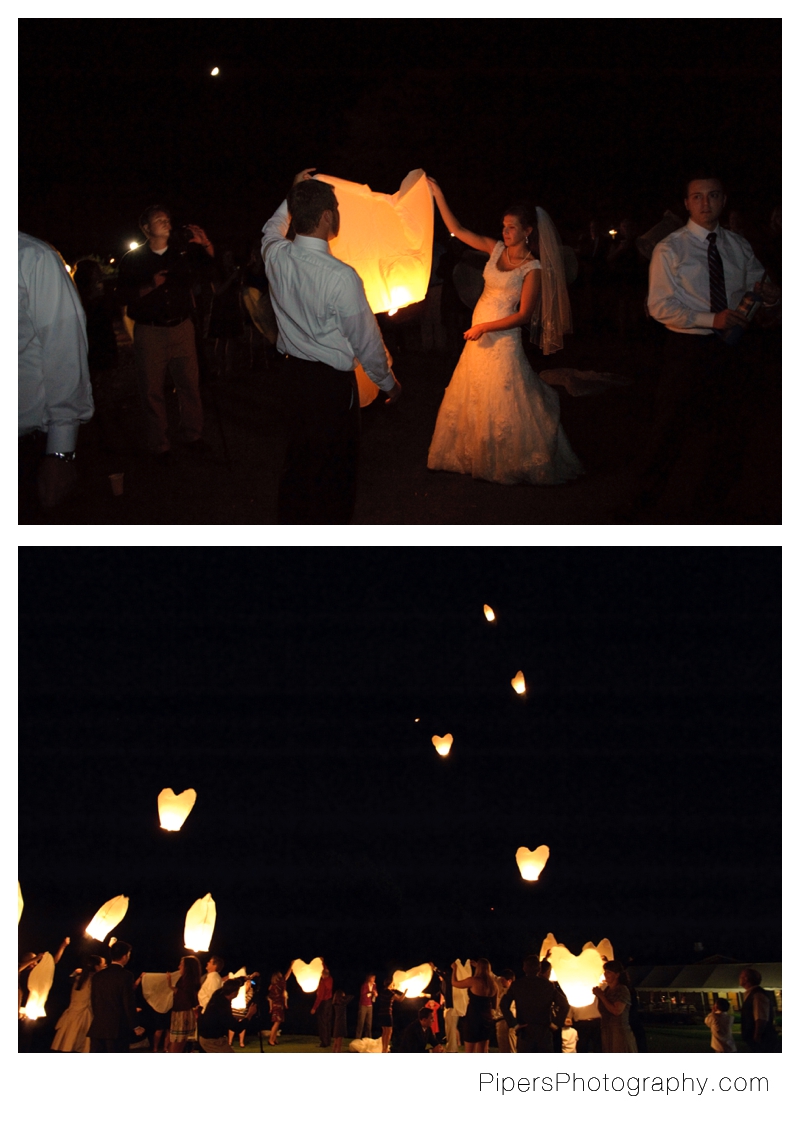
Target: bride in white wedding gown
point(498, 420)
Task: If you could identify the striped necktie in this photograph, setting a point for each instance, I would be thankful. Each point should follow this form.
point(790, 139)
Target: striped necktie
point(716, 277)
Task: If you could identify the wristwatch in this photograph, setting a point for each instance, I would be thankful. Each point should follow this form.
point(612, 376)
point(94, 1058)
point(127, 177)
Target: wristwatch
point(67, 457)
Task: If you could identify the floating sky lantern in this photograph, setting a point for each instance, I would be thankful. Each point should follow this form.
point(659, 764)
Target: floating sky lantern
point(577, 974)
point(413, 983)
point(200, 921)
point(173, 809)
point(518, 682)
point(39, 982)
point(388, 239)
point(107, 918)
point(308, 975)
point(133, 246)
point(488, 613)
point(215, 72)
point(532, 862)
point(19, 902)
point(443, 744)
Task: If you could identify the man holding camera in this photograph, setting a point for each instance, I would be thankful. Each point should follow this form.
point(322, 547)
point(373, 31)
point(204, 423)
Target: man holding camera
point(155, 282)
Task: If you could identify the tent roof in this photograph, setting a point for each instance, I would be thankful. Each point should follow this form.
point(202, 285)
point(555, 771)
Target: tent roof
point(707, 976)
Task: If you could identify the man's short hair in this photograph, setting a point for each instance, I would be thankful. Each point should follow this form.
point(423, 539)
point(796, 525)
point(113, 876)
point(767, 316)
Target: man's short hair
point(702, 174)
point(753, 977)
point(119, 951)
point(308, 200)
point(723, 1004)
point(231, 986)
point(530, 964)
point(148, 212)
point(220, 962)
point(424, 1013)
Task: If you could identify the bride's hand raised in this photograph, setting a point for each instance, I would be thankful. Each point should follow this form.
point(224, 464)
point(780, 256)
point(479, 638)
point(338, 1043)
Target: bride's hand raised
point(434, 186)
point(475, 332)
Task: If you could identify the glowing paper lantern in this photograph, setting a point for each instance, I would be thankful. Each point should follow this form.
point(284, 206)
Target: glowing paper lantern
point(215, 72)
point(19, 902)
point(200, 921)
point(106, 918)
point(173, 809)
point(488, 613)
point(532, 862)
point(606, 950)
point(239, 1000)
point(157, 991)
point(577, 974)
point(388, 239)
point(39, 982)
point(461, 994)
point(443, 744)
point(134, 245)
point(308, 975)
point(413, 983)
point(518, 682)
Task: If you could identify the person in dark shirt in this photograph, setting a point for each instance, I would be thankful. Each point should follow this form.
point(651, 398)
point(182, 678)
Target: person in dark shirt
point(218, 1018)
point(419, 1036)
point(155, 285)
point(537, 1001)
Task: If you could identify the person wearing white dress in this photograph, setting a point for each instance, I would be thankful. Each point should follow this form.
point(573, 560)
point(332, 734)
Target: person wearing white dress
point(498, 421)
point(73, 1025)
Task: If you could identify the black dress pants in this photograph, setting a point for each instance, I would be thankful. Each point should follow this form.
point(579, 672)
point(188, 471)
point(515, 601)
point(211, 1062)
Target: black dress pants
point(318, 481)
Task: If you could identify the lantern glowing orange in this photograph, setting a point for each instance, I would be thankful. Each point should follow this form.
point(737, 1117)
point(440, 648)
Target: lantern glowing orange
point(518, 682)
point(548, 942)
point(19, 902)
point(413, 983)
point(39, 982)
point(606, 950)
point(388, 239)
point(488, 613)
point(308, 975)
point(107, 918)
point(173, 809)
point(239, 1000)
point(532, 862)
point(443, 744)
point(200, 921)
point(577, 974)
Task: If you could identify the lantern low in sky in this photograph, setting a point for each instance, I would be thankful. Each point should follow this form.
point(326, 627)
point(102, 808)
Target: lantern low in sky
point(413, 983)
point(107, 918)
point(200, 921)
point(488, 613)
point(577, 974)
point(443, 744)
point(39, 982)
point(308, 975)
point(518, 682)
point(388, 239)
point(532, 862)
point(173, 809)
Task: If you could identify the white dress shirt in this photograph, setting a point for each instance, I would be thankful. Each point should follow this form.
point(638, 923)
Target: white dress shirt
point(679, 295)
point(212, 982)
point(320, 304)
point(55, 394)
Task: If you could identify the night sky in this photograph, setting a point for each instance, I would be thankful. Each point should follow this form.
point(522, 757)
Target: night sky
point(585, 117)
point(283, 685)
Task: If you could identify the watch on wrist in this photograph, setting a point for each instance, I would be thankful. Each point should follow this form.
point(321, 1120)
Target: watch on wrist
point(67, 457)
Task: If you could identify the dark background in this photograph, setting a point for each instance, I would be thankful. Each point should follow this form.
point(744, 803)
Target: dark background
point(584, 117)
point(283, 684)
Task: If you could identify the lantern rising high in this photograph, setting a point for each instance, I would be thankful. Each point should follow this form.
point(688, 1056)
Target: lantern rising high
point(39, 982)
point(200, 921)
point(413, 983)
point(518, 682)
point(443, 744)
point(577, 974)
point(107, 918)
point(388, 239)
point(308, 975)
point(173, 809)
point(488, 613)
point(532, 862)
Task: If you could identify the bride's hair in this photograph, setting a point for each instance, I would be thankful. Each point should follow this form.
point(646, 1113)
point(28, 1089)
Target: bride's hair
point(526, 213)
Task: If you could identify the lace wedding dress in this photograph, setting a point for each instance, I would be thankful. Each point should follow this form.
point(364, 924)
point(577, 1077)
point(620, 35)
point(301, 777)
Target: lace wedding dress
point(498, 421)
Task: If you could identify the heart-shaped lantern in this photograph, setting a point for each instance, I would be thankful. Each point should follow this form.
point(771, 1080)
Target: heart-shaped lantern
point(577, 974)
point(518, 682)
point(173, 809)
point(413, 983)
point(532, 862)
point(308, 975)
point(443, 744)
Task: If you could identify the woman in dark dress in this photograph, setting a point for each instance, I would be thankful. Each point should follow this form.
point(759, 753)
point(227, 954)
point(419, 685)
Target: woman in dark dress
point(387, 996)
point(476, 1027)
point(277, 1004)
point(183, 1023)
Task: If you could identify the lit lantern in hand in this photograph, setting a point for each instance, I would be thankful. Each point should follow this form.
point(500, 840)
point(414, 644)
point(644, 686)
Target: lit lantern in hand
point(107, 918)
point(173, 809)
point(532, 862)
point(413, 983)
point(308, 975)
point(200, 921)
point(443, 744)
point(19, 902)
point(577, 974)
point(606, 950)
point(488, 613)
point(518, 682)
point(239, 1000)
point(39, 982)
point(388, 239)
